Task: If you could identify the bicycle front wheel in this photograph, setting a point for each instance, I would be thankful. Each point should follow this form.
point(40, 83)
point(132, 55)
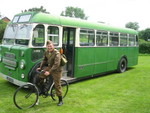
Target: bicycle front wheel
point(26, 96)
point(64, 86)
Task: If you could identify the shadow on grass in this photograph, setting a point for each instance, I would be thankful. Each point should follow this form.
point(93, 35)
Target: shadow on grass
point(99, 75)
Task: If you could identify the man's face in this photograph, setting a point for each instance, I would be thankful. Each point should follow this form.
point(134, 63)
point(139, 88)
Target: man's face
point(50, 47)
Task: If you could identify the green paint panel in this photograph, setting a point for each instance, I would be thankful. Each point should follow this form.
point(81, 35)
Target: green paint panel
point(112, 58)
point(16, 53)
point(101, 56)
point(95, 60)
point(84, 59)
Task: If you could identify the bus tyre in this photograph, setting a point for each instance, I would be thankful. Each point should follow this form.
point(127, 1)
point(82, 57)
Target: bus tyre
point(122, 65)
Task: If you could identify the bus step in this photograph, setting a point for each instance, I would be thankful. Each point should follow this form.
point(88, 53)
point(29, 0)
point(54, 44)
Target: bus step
point(69, 79)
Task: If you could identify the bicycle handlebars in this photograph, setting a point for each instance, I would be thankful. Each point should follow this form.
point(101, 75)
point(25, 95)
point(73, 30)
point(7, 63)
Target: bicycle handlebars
point(40, 71)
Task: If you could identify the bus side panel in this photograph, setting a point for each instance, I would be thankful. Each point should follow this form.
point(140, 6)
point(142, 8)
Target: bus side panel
point(101, 56)
point(112, 58)
point(132, 56)
point(136, 55)
point(84, 61)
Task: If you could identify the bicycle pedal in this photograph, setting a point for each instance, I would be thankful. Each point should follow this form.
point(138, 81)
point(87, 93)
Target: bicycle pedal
point(37, 103)
point(44, 96)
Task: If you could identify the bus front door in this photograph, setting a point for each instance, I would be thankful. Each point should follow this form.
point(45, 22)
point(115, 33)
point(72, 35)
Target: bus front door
point(68, 45)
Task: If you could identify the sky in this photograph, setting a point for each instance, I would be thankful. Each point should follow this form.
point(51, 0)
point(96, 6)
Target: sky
point(112, 12)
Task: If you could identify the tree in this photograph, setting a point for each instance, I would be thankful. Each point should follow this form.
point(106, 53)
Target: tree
point(74, 12)
point(132, 25)
point(145, 34)
point(2, 28)
point(41, 9)
point(1, 16)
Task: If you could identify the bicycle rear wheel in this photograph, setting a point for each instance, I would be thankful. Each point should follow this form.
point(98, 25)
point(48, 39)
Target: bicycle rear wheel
point(26, 96)
point(64, 86)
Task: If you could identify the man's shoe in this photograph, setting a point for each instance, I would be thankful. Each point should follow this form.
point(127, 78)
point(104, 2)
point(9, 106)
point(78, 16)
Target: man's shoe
point(60, 103)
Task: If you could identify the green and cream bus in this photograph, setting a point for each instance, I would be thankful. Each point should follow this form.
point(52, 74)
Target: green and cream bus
point(91, 48)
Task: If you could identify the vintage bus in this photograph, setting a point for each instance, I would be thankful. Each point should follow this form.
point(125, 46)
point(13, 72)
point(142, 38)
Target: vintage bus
point(91, 48)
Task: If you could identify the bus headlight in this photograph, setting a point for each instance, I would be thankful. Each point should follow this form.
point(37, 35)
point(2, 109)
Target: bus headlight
point(22, 76)
point(22, 64)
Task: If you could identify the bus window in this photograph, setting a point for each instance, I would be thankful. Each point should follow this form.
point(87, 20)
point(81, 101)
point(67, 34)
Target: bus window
point(137, 43)
point(131, 40)
point(15, 19)
point(23, 34)
point(123, 39)
point(65, 37)
point(101, 38)
point(53, 35)
point(114, 39)
point(9, 36)
point(24, 18)
point(87, 37)
point(38, 36)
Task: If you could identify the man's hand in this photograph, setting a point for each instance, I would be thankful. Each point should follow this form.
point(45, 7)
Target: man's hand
point(47, 73)
point(38, 69)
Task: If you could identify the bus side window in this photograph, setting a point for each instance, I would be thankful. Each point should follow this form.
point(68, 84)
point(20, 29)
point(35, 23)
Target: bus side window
point(101, 38)
point(132, 40)
point(123, 39)
point(114, 39)
point(137, 41)
point(87, 37)
point(38, 38)
point(53, 34)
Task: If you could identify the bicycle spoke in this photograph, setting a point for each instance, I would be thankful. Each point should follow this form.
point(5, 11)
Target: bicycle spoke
point(64, 86)
point(25, 98)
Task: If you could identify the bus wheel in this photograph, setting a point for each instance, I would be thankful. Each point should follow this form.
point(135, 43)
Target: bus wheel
point(122, 66)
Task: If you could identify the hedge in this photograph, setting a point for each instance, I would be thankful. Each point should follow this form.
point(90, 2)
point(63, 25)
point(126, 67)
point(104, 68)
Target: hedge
point(144, 47)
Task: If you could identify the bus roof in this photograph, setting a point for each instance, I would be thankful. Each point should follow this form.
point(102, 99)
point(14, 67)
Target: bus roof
point(71, 22)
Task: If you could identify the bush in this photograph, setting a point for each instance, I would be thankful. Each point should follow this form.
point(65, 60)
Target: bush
point(144, 47)
point(2, 28)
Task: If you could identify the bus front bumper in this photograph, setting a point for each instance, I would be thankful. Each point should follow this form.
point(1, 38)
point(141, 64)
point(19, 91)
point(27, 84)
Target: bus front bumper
point(12, 80)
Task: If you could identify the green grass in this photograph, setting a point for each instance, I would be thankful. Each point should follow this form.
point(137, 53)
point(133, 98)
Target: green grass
point(127, 92)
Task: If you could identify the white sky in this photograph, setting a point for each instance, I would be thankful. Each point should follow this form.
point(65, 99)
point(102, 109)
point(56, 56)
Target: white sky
point(113, 12)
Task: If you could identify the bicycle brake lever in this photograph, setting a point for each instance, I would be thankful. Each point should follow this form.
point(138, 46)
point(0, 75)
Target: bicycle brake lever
point(42, 71)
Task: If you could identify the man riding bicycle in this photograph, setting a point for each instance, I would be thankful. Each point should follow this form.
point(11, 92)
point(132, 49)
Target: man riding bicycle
point(52, 57)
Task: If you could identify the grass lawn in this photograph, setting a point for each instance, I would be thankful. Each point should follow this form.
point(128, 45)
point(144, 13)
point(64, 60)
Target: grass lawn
point(127, 92)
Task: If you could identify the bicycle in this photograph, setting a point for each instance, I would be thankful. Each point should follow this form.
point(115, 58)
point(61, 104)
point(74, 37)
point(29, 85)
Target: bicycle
point(26, 96)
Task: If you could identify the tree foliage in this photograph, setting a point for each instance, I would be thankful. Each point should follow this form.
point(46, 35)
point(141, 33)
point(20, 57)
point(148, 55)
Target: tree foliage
point(144, 44)
point(2, 28)
point(74, 12)
point(35, 9)
point(145, 34)
point(132, 25)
